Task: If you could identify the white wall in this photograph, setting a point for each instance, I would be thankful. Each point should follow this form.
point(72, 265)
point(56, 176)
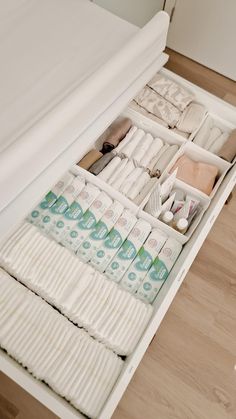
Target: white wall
point(138, 12)
point(205, 30)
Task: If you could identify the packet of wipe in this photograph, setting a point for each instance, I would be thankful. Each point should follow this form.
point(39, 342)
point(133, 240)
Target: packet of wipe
point(143, 261)
point(159, 271)
point(86, 224)
point(37, 213)
point(90, 245)
point(76, 211)
point(53, 214)
point(129, 249)
point(113, 241)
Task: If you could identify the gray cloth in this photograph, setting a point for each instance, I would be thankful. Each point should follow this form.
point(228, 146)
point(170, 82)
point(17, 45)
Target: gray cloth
point(99, 165)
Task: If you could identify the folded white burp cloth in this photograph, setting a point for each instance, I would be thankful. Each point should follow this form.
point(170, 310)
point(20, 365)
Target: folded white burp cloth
point(219, 142)
point(125, 140)
point(204, 132)
point(73, 364)
point(136, 188)
point(129, 167)
point(152, 151)
point(108, 171)
point(79, 291)
point(131, 179)
point(118, 171)
point(134, 141)
point(142, 148)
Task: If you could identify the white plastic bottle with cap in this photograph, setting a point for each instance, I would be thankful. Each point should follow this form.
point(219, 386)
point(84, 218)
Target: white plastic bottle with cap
point(181, 225)
point(167, 217)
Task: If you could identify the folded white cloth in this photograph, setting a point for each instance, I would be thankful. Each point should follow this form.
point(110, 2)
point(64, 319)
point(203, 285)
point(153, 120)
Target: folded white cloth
point(134, 141)
point(183, 134)
point(142, 148)
point(165, 158)
point(131, 179)
point(155, 159)
point(80, 292)
point(136, 188)
point(171, 91)
point(153, 205)
point(152, 151)
point(108, 171)
point(116, 173)
point(219, 142)
point(73, 364)
point(134, 105)
point(191, 118)
point(214, 134)
point(129, 167)
point(125, 140)
point(157, 105)
point(204, 132)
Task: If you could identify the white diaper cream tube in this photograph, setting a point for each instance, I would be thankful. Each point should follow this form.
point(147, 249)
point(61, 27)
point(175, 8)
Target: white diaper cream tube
point(143, 261)
point(86, 197)
point(35, 216)
point(129, 249)
point(87, 223)
point(113, 241)
point(159, 271)
point(90, 245)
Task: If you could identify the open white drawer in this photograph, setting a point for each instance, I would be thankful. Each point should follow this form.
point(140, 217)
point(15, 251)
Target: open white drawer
point(36, 183)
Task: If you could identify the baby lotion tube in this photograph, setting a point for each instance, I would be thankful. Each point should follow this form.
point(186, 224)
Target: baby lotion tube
point(143, 261)
point(129, 249)
point(36, 215)
point(76, 211)
point(159, 271)
point(113, 241)
point(54, 213)
point(90, 245)
point(83, 228)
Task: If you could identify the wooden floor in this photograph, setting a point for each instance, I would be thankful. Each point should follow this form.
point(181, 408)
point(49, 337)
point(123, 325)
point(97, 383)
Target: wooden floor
point(189, 370)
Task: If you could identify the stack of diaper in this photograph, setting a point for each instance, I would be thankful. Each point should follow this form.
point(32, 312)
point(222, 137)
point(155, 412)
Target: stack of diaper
point(170, 104)
point(85, 296)
point(55, 351)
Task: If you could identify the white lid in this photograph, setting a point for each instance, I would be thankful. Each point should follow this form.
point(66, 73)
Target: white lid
point(68, 68)
point(182, 223)
point(167, 216)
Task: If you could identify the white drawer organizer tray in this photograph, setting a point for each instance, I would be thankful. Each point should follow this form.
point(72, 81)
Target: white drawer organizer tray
point(54, 114)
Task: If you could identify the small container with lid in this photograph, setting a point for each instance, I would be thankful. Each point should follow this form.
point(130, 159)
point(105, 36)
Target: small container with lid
point(181, 225)
point(167, 217)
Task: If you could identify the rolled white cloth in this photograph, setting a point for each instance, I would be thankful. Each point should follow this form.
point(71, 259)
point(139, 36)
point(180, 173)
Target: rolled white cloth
point(129, 148)
point(152, 151)
point(165, 158)
point(128, 169)
point(191, 118)
point(155, 159)
point(142, 148)
point(127, 183)
point(125, 140)
point(136, 188)
point(118, 170)
point(108, 171)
